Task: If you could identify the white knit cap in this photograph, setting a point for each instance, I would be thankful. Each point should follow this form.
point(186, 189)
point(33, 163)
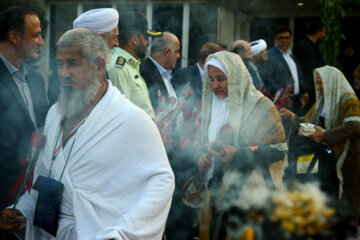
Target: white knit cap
point(257, 47)
point(216, 63)
point(100, 20)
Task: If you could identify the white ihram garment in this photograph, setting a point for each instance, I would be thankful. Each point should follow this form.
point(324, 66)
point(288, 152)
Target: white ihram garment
point(118, 181)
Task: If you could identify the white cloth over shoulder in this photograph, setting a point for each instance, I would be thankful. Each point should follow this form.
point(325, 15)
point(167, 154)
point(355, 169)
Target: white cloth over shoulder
point(335, 87)
point(100, 20)
point(118, 181)
point(219, 117)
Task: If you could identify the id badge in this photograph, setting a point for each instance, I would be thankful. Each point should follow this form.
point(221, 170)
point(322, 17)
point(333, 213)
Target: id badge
point(48, 203)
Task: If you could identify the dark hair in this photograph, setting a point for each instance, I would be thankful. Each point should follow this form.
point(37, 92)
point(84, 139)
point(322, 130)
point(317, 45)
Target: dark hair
point(209, 48)
point(222, 45)
point(13, 19)
point(314, 26)
point(124, 37)
point(282, 29)
point(239, 49)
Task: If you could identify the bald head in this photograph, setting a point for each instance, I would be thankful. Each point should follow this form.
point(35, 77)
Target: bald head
point(242, 48)
point(166, 50)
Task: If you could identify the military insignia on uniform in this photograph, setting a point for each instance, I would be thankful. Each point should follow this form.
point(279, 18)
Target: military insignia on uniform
point(131, 61)
point(120, 61)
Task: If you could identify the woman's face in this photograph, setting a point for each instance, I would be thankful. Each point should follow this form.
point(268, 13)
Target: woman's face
point(319, 85)
point(356, 83)
point(218, 82)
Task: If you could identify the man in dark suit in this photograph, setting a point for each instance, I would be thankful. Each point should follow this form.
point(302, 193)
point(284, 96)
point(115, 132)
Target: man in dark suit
point(194, 73)
point(281, 70)
point(23, 104)
point(309, 57)
point(156, 70)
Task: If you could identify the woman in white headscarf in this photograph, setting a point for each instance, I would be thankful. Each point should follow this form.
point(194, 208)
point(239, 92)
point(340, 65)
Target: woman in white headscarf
point(258, 144)
point(337, 109)
point(229, 97)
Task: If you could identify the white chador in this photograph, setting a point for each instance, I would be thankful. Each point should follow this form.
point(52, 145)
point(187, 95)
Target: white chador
point(118, 183)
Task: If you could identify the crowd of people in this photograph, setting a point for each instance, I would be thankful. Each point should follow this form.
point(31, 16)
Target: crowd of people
point(134, 149)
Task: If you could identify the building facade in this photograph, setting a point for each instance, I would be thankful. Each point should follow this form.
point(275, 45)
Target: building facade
point(194, 22)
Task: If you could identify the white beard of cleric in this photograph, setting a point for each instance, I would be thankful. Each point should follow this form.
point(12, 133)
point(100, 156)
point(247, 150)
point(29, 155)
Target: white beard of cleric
point(72, 102)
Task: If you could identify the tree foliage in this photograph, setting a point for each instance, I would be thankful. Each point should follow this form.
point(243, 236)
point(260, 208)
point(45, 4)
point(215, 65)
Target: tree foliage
point(333, 12)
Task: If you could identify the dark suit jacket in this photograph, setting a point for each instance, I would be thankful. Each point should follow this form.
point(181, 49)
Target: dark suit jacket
point(16, 125)
point(308, 57)
point(154, 81)
point(254, 76)
point(188, 74)
point(277, 73)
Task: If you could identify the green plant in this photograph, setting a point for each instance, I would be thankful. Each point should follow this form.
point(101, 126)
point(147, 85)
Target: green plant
point(332, 14)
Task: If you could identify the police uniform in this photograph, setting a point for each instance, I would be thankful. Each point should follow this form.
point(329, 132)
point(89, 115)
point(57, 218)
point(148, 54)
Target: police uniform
point(123, 72)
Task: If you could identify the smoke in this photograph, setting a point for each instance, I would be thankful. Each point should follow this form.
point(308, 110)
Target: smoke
point(299, 210)
point(231, 193)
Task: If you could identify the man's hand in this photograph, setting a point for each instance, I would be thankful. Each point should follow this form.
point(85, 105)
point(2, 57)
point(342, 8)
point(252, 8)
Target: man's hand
point(287, 114)
point(318, 135)
point(203, 162)
point(9, 222)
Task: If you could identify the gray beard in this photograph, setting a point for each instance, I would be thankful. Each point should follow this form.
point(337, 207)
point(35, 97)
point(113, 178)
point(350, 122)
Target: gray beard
point(72, 103)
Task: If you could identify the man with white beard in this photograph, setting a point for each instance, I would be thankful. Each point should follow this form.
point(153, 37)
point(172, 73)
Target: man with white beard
point(105, 154)
point(103, 21)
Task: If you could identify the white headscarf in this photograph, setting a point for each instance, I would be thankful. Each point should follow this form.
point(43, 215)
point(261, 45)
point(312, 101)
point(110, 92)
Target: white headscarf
point(335, 87)
point(100, 20)
point(249, 112)
point(216, 63)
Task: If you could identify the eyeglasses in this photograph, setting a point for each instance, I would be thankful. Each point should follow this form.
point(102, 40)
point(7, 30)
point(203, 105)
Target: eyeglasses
point(283, 38)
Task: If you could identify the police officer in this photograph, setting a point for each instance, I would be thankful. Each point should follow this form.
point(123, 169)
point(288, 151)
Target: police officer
point(123, 69)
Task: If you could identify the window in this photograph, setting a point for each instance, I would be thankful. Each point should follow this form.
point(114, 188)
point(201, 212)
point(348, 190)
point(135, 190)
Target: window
point(127, 7)
point(202, 28)
point(168, 18)
point(263, 28)
point(88, 7)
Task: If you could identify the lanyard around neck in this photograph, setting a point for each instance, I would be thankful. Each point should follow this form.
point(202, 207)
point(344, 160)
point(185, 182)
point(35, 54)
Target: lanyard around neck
point(69, 135)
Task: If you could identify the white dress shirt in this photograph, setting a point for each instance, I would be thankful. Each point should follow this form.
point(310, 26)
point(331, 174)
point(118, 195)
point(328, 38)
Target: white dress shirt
point(293, 70)
point(166, 76)
point(201, 71)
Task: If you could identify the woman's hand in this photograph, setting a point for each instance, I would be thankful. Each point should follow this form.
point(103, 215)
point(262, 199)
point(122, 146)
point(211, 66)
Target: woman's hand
point(203, 162)
point(287, 114)
point(226, 154)
point(9, 222)
point(318, 135)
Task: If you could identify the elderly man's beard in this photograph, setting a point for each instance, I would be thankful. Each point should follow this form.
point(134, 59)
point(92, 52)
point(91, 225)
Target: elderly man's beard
point(72, 103)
